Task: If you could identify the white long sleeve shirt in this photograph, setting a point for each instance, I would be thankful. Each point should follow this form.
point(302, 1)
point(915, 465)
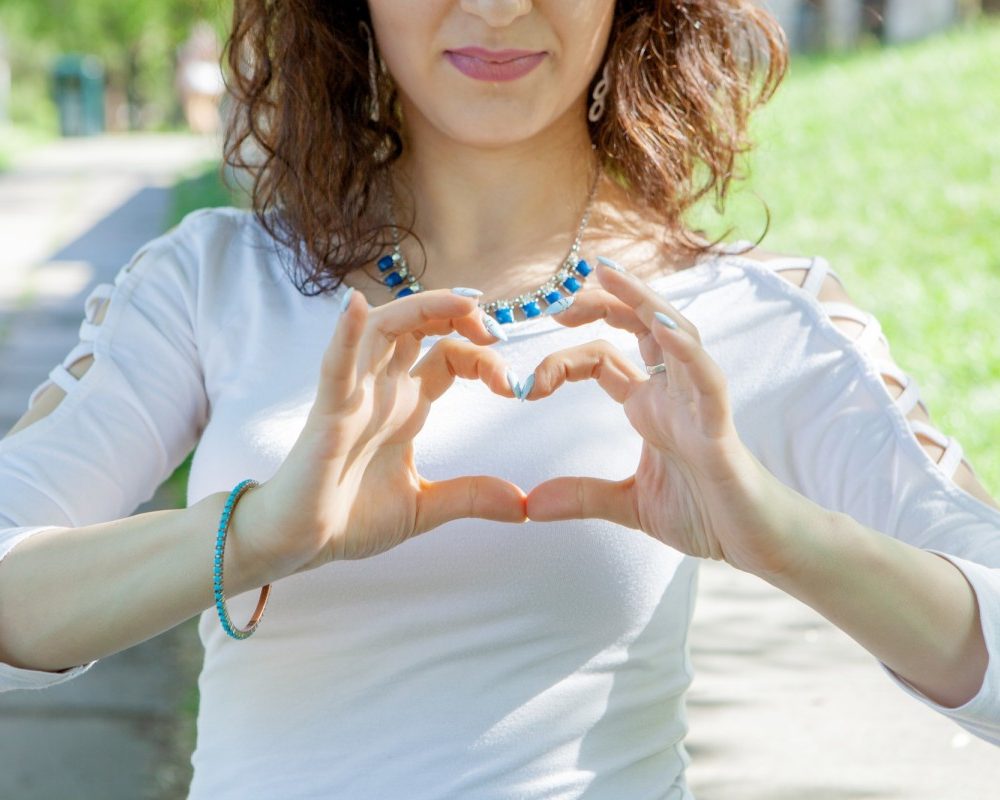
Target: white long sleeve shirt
point(481, 659)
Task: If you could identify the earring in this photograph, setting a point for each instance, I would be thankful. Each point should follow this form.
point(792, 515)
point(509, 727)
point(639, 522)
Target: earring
point(600, 92)
point(372, 70)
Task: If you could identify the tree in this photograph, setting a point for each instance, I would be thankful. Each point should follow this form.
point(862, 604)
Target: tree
point(135, 39)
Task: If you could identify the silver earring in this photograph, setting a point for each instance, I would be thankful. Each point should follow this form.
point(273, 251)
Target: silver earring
point(600, 92)
point(372, 70)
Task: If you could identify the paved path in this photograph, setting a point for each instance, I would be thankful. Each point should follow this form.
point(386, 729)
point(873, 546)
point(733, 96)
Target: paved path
point(71, 214)
point(784, 706)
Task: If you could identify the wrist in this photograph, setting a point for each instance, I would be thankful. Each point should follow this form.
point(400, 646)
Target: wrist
point(793, 527)
point(249, 564)
point(804, 529)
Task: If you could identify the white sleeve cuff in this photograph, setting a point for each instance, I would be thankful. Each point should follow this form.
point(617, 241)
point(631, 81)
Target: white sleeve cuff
point(12, 678)
point(981, 714)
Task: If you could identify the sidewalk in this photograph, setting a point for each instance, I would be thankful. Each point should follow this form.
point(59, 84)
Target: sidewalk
point(785, 706)
point(71, 214)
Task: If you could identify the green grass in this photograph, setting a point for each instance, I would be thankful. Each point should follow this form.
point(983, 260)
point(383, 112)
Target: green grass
point(887, 163)
point(16, 139)
point(202, 187)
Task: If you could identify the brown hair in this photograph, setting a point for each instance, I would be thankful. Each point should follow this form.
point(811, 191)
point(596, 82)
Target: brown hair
point(681, 93)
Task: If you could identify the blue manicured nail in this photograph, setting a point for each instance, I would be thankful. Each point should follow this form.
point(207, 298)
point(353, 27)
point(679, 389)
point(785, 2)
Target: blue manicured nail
point(465, 292)
point(665, 320)
point(347, 299)
point(559, 305)
point(528, 384)
point(494, 327)
point(512, 381)
point(609, 263)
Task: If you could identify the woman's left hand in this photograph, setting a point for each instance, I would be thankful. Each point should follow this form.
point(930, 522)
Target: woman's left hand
point(697, 487)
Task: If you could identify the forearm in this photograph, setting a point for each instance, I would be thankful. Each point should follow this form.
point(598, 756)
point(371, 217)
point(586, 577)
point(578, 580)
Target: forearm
point(72, 595)
point(913, 610)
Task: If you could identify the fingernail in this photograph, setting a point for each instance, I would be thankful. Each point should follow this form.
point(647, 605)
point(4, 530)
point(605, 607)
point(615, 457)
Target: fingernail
point(514, 384)
point(466, 292)
point(347, 299)
point(559, 305)
point(609, 263)
point(494, 327)
point(665, 320)
point(528, 384)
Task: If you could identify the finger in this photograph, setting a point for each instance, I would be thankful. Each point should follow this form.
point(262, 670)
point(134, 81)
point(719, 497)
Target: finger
point(482, 496)
point(689, 363)
point(434, 312)
point(697, 365)
point(338, 367)
point(405, 352)
point(448, 359)
point(595, 304)
point(598, 359)
point(641, 297)
point(583, 498)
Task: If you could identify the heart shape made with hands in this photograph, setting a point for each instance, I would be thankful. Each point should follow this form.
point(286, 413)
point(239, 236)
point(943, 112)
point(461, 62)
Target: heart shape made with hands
point(690, 452)
point(696, 488)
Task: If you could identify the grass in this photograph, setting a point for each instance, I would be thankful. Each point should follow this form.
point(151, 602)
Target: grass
point(16, 139)
point(202, 187)
point(887, 163)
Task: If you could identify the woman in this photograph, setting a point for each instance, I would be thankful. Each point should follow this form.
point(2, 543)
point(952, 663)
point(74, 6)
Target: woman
point(534, 644)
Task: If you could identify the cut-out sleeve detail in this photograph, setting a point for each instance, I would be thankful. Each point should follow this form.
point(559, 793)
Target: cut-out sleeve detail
point(846, 442)
point(124, 426)
point(817, 270)
point(96, 301)
point(953, 451)
point(872, 331)
point(871, 340)
point(60, 375)
point(909, 399)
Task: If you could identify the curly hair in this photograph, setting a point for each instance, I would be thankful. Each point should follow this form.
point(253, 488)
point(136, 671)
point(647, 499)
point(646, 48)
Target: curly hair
point(682, 77)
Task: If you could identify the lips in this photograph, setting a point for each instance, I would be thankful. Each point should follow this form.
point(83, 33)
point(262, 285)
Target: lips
point(494, 65)
point(494, 56)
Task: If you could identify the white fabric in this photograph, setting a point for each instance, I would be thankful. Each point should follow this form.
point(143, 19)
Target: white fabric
point(481, 659)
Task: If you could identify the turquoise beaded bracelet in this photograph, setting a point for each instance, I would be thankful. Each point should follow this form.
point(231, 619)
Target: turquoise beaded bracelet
point(220, 541)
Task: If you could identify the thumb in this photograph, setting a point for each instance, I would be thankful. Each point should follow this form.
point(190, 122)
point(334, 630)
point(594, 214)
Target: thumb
point(482, 496)
point(583, 498)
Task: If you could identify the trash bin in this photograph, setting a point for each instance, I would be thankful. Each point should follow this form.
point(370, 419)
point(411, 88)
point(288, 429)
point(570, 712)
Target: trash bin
point(78, 86)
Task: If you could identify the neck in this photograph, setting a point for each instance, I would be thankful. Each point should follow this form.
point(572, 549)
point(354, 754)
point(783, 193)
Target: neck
point(489, 216)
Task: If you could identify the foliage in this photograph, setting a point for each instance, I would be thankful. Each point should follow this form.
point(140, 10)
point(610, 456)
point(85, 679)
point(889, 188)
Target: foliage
point(886, 162)
point(135, 40)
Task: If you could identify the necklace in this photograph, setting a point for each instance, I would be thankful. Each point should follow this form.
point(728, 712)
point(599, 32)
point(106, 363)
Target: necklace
point(571, 270)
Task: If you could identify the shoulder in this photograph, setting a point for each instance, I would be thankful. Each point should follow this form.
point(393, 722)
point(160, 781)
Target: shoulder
point(813, 274)
point(205, 228)
point(814, 277)
point(217, 249)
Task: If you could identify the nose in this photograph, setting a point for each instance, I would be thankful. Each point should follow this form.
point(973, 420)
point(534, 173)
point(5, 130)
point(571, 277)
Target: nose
point(497, 13)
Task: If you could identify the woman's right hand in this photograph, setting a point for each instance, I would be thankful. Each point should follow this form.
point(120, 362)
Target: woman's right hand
point(349, 488)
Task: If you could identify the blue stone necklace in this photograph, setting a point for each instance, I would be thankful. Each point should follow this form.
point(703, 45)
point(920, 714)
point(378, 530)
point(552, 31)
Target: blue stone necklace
point(395, 270)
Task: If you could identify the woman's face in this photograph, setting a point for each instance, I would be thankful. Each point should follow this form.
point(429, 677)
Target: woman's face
point(471, 100)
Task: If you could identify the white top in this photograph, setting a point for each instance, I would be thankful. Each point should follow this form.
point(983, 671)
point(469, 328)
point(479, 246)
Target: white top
point(481, 659)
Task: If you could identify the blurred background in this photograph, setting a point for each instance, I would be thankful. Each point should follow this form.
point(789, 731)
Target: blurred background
point(880, 152)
